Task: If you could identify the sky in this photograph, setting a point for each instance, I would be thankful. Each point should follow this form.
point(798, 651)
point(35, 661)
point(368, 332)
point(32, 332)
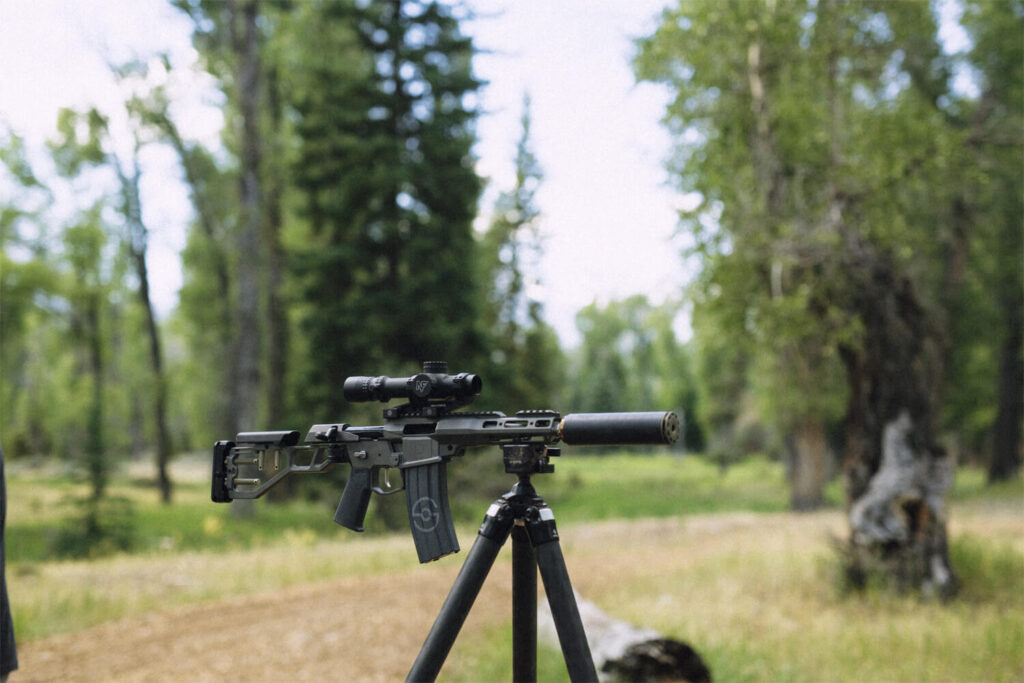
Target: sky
point(608, 217)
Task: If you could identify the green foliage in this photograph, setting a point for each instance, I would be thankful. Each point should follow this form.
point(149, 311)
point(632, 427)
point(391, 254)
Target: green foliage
point(819, 138)
point(384, 189)
point(98, 527)
point(631, 359)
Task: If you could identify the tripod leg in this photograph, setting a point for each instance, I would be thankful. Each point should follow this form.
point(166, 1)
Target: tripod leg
point(493, 534)
point(524, 607)
point(561, 599)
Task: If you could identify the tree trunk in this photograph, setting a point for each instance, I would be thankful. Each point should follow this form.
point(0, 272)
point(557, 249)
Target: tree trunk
point(809, 467)
point(163, 439)
point(1006, 442)
point(896, 476)
point(245, 44)
point(137, 238)
point(250, 230)
point(277, 318)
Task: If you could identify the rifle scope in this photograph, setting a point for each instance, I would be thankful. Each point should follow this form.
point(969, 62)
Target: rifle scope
point(620, 429)
point(433, 384)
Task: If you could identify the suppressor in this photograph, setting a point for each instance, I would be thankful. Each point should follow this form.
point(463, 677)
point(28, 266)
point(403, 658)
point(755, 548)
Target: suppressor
point(620, 429)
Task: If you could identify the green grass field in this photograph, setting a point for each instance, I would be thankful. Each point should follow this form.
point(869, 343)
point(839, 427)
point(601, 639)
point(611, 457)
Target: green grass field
point(711, 557)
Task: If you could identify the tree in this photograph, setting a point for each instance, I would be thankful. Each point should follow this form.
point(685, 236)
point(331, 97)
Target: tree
point(814, 136)
point(73, 153)
point(204, 316)
point(388, 191)
point(523, 369)
point(27, 274)
point(631, 359)
point(86, 290)
point(996, 140)
point(233, 38)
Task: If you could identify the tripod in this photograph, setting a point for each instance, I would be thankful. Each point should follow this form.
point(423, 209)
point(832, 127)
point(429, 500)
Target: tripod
point(524, 515)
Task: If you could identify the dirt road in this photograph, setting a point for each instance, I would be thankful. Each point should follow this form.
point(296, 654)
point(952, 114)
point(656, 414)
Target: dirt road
point(338, 630)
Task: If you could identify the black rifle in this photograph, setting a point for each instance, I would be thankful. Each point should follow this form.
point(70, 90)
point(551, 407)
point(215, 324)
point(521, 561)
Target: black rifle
point(419, 438)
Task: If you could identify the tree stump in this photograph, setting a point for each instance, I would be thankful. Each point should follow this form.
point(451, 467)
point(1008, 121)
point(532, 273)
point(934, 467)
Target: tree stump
point(898, 525)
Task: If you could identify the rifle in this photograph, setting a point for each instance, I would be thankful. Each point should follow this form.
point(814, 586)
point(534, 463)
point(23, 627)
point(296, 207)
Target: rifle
point(419, 438)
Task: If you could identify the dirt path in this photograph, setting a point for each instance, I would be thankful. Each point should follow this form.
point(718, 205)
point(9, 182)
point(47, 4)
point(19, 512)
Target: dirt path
point(360, 629)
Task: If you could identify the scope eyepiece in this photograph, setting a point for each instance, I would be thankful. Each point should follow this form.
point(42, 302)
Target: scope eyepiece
point(425, 387)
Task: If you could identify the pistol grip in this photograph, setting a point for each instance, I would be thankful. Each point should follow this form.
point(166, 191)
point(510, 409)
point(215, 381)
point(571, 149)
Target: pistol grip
point(426, 497)
point(355, 499)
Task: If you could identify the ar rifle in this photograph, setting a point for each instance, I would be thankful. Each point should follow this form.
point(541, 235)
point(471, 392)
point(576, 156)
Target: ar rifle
point(419, 438)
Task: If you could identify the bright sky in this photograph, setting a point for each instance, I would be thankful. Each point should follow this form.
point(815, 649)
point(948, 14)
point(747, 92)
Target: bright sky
point(608, 218)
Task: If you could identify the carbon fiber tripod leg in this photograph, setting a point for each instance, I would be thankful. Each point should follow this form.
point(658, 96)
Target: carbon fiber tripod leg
point(524, 607)
point(561, 599)
point(493, 534)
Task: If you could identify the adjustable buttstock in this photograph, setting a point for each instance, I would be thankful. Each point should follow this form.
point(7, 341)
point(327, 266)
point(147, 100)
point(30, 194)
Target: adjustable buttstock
point(426, 497)
point(219, 492)
point(355, 499)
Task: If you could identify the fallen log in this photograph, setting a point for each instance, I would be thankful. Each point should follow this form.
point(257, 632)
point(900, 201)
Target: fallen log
point(624, 652)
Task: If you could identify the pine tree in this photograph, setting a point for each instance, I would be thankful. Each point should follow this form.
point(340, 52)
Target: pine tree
point(388, 190)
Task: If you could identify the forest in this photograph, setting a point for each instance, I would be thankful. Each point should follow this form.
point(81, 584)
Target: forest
point(857, 313)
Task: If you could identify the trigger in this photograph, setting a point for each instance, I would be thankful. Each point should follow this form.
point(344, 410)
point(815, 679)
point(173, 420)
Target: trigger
point(387, 489)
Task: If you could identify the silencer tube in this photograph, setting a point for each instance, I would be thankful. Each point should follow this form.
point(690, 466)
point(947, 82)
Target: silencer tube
point(620, 429)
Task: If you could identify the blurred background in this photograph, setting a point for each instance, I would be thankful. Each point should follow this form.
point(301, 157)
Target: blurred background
point(798, 223)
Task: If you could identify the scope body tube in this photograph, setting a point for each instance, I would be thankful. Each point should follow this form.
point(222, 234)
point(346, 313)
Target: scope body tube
point(421, 387)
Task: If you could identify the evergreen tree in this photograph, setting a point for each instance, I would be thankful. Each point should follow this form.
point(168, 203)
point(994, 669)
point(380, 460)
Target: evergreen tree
point(388, 190)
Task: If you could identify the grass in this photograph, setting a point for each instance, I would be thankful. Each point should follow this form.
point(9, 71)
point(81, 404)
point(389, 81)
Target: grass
point(709, 557)
point(628, 487)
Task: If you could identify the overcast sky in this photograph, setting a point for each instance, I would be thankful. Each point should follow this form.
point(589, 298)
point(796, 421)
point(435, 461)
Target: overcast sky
point(608, 218)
